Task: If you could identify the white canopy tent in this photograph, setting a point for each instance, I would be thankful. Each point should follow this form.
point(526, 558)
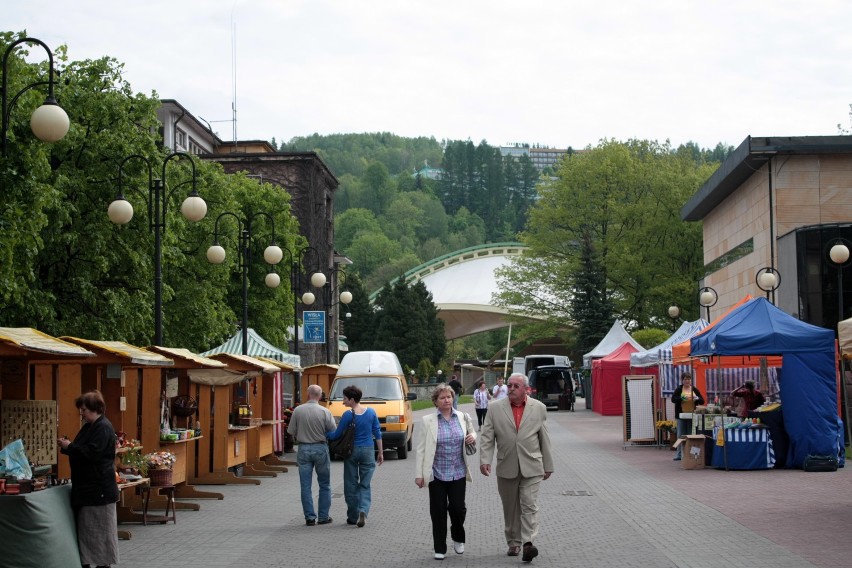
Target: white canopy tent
point(615, 338)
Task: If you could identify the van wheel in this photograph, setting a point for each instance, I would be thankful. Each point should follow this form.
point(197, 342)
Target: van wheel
point(410, 442)
point(402, 452)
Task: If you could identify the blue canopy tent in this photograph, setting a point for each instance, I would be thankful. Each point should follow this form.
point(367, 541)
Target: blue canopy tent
point(808, 372)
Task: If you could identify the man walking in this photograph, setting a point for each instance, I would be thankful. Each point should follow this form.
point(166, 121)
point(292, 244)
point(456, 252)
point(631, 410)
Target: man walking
point(457, 387)
point(308, 425)
point(500, 390)
point(517, 426)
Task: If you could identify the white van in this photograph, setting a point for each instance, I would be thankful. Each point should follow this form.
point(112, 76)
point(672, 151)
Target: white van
point(380, 377)
point(526, 364)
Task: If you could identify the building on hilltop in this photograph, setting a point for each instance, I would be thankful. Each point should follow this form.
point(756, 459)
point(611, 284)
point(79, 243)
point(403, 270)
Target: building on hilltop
point(542, 158)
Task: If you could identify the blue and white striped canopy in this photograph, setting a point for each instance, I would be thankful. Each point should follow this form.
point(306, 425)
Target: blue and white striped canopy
point(662, 353)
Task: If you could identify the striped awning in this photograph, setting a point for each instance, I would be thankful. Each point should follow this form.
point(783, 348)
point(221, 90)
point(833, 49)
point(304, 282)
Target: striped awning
point(30, 339)
point(257, 347)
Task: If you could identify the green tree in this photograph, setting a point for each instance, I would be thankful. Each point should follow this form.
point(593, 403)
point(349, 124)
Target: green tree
point(607, 235)
point(69, 271)
point(407, 323)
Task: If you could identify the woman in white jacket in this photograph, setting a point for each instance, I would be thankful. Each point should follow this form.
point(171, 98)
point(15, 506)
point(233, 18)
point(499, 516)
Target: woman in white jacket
point(441, 460)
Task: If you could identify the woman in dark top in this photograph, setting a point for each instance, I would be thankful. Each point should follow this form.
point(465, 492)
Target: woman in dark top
point(358, 468)
point(94, 490)
point(685, 398)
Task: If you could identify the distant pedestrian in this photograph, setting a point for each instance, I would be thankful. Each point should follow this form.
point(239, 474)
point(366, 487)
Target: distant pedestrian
point(457, 387)
point(441, 461)
point(500, 390)
point(517, 427)
point(358, 468)
point(481, 396)
point(308, 425)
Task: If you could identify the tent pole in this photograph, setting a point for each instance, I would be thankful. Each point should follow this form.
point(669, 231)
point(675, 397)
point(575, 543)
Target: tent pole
point(508, 343)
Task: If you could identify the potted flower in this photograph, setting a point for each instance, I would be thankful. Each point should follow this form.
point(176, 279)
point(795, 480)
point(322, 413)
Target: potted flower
point(667, 428)
point(132, 461)
point(160, 467)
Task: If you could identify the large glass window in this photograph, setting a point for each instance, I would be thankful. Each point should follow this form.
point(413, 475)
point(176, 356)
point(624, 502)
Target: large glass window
point(818, 275)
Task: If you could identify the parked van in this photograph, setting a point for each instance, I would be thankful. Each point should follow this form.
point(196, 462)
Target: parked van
point(526, 364)
point(380, 377)
point(550, 382)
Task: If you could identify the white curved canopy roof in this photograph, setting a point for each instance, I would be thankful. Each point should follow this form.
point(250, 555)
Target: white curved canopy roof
point(462, 285)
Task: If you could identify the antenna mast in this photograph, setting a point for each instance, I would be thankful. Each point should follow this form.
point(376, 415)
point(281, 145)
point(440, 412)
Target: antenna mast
point(234, 76)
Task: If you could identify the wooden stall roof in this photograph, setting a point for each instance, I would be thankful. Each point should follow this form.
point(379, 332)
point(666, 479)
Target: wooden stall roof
point(186, 358)
point(125, 352)
point(326, 365)
point(280, 364)
point(252, 366)
point(33, 341)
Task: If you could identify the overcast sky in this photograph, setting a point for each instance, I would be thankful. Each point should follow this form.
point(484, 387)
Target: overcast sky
point(557, 73)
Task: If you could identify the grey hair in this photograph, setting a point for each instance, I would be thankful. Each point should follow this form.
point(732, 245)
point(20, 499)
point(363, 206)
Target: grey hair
point(439, 388)
point(519, 376)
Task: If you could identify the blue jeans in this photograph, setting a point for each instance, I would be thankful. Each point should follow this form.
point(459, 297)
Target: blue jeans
point(684, 427)
point(312, 457)
point(357, 472)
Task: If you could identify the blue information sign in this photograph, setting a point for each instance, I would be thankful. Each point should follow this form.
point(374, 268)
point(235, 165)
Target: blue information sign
point(314, 326)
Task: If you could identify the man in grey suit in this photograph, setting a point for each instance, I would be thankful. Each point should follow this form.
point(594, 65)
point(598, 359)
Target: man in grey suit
point(517, 425)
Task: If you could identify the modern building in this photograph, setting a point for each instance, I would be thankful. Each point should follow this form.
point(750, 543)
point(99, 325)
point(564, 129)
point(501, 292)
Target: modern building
point(542, 158)
point(778, 205)
point(303, 175)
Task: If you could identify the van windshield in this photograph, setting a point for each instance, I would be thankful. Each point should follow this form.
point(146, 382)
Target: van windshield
point(373, 388)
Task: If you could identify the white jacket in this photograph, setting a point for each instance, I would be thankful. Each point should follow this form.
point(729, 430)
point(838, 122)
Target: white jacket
point(427, 443)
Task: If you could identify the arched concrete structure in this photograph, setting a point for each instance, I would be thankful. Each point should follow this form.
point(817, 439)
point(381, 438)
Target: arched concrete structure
point(462, 284)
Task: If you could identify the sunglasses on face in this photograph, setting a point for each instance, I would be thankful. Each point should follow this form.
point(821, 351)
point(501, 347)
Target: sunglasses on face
point(515, 386)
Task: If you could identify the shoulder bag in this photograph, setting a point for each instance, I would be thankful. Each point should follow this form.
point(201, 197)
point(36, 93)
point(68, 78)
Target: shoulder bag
point(342, 447)
point(469, 449)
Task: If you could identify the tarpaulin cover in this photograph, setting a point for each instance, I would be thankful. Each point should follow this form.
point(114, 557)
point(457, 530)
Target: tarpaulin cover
point(606, 380)
point(808, 374)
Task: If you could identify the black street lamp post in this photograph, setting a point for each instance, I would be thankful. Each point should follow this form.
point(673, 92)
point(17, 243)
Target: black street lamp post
point(120, 212)
point(295, 261)
point(839, 255)
point(674, 313)
point(768, 279)
point(49, 122)
point(319, 280)
point(707, 297)
point(272, 254)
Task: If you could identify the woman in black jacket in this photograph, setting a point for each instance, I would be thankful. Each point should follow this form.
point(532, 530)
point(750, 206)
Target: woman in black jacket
point(94, 490)
point(685, 398)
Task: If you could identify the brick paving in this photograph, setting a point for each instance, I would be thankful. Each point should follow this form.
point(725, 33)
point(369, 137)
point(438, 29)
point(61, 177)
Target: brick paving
point(604, 507)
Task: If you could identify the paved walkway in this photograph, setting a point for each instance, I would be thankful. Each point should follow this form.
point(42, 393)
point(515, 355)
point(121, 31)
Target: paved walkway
point(604, 507)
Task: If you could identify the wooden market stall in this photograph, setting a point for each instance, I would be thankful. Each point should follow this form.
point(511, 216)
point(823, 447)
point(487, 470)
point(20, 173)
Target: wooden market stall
point(225, 402)
point(132, 380)
point(185, 414)
point(322, 375)
point(40, 377)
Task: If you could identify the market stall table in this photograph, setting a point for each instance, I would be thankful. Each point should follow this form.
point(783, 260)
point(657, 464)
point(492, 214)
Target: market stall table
point(745, 448)
point(38, 529)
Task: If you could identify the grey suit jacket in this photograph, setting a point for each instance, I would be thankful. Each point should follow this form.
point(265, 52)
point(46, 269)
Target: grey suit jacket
point(525, 451)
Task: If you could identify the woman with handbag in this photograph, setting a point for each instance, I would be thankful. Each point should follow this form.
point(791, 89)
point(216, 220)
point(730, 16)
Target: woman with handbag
point(358, 468)
point(446, 437)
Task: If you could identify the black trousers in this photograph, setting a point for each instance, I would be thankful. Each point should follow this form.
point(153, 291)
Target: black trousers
point(447, 497)
point(480, 415)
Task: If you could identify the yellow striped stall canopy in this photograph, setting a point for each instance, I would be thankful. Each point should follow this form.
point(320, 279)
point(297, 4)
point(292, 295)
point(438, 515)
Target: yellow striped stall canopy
point(135, 355)
point(29, 339)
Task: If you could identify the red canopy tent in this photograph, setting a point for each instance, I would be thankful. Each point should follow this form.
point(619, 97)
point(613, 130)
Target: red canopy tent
point(606, 380)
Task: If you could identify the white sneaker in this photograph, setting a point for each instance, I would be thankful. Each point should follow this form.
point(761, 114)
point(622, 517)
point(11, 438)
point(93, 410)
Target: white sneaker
point(458, 547)
point(439, 556)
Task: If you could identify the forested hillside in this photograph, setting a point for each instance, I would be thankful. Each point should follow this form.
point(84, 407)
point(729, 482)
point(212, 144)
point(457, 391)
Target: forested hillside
point(389, 219)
